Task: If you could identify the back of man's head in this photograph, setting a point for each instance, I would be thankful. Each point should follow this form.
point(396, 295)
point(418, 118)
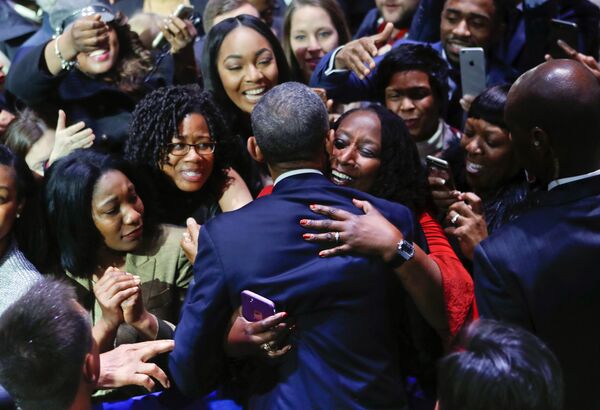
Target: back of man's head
point(290, 123)
point(500, 368)
point(44, 339)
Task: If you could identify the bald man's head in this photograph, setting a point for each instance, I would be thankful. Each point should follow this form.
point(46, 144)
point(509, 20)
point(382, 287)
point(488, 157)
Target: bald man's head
point(553, 113)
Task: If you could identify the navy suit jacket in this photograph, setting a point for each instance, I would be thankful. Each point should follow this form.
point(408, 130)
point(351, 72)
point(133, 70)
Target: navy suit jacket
point(542, 271)
point(344, 351)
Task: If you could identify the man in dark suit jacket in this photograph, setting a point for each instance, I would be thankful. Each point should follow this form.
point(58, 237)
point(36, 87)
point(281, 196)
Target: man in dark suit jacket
point(542, 270)
point(344, 351)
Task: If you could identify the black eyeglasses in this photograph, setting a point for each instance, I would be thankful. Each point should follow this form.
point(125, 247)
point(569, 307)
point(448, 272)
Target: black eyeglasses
point(180, 149)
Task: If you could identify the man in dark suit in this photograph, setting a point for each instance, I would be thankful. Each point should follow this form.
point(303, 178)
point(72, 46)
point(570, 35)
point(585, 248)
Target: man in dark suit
point(344, 348)
point(542, 270)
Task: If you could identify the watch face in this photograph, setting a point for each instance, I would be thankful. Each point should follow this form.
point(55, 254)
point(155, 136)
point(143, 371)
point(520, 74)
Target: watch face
point(406, 249)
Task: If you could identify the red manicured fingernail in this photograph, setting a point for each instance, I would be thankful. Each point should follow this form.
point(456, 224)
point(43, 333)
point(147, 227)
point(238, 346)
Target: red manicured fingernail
point(307, 235)
point(303, 221)
point(313, 206)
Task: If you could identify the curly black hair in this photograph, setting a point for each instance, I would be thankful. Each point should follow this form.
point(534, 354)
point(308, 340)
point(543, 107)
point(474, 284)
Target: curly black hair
point(155, 121)
point(401, 177)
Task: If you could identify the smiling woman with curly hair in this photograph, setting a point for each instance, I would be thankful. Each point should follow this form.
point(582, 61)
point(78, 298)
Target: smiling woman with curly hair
point(179, 135)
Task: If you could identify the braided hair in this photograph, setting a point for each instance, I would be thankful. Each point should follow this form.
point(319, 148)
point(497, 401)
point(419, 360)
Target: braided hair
point(155, 121)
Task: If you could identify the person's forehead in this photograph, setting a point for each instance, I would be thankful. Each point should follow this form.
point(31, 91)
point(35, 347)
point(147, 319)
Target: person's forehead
point(481, 7)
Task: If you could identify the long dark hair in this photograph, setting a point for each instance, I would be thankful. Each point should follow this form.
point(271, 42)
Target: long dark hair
point(401, 176)
point(212, 45)
point(69, 188)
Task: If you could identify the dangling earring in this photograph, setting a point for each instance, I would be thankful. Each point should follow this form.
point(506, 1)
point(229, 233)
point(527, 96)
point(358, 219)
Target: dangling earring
point(536, 144)
point(18, 216)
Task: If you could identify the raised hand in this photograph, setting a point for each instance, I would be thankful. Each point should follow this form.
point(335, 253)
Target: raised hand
point(85, 35)
point(586, 60)
point(179, 33)
point(358, 55)
point(68, 139)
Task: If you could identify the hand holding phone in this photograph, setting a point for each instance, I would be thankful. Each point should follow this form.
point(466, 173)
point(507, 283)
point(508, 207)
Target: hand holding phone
point(472, 70)
point(561, 30)
point(439, 168)
point(256, 307)
point(184, 12)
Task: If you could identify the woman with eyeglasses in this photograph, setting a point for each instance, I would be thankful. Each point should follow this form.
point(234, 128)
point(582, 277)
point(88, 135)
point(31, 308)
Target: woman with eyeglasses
point(180, 137)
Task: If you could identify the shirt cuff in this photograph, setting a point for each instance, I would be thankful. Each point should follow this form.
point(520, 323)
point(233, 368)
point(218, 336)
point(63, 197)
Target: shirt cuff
point(331, 63)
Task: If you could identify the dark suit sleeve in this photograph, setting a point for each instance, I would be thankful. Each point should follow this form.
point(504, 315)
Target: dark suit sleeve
point(343, 87)
point(197, 362)
point(497, 292)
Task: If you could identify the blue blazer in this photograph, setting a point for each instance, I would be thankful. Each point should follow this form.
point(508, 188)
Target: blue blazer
point(542, 272)
point(344, 351)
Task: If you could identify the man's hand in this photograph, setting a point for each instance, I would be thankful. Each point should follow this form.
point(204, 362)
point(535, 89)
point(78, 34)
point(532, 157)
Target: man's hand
point(358, 54)
point(126, 365)
point(369, 234)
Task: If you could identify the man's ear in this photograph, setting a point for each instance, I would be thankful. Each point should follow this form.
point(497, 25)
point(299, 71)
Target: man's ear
point(329, 142)
point(91, 369)
point(540, 139)
point(254, 150)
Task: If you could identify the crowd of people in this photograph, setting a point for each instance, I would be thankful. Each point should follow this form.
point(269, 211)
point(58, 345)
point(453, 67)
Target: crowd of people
point(418, 246)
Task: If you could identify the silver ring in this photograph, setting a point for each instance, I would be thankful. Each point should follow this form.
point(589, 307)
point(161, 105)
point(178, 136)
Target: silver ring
point(454, 219)
point(267, 347)
point(337, 237)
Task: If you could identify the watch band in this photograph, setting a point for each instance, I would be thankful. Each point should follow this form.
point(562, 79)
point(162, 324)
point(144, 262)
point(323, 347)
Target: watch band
point(405, 251)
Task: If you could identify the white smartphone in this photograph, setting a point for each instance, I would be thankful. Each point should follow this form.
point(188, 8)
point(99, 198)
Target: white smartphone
point(472, 70)
point(184, 12)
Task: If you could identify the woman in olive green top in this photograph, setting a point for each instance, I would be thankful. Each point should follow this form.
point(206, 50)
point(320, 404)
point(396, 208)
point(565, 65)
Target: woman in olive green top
point(131, 274)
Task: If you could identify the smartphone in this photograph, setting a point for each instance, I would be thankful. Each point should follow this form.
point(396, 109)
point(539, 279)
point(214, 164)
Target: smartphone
point(438, 167)
point(256, 307)
point(182, 11)
point(561, 30)
point(472, 70)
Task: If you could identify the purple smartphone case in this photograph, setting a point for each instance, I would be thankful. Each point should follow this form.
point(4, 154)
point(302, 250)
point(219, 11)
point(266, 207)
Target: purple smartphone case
point(256, 307)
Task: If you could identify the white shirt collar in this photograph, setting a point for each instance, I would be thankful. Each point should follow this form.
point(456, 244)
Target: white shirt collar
point(296, 172)
point(562, 181)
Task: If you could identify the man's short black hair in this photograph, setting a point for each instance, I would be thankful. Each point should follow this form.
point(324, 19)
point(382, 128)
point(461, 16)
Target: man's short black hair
point(44, 338)
point(290, 123)
point(500, 367)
